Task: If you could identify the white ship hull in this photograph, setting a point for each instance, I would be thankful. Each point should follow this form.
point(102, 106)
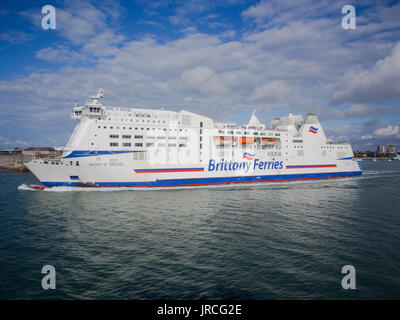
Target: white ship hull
point(98, 171)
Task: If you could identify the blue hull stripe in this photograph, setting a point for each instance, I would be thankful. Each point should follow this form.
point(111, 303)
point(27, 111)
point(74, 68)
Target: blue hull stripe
point(210, 181)
point(88, 153)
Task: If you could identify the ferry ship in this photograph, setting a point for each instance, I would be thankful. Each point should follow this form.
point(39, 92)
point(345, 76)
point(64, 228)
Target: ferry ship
point(132, 147)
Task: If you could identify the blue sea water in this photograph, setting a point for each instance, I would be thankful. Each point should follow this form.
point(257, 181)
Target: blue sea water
point(271, 241)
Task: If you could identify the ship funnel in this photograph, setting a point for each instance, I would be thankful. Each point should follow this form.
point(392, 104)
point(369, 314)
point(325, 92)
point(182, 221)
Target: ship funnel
point(312, 129)
point(311, 119)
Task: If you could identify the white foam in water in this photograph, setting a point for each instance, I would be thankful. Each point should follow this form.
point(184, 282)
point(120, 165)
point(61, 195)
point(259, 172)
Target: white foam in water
point(382, 172)
point(24, 186)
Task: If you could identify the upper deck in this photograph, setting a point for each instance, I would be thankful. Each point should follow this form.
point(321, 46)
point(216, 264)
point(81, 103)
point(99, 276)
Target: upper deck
point(117, 128)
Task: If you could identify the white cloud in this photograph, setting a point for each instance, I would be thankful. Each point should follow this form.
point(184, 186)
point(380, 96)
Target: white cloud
point(379, 83)
point(79, 21)
point(366, 137)
point(103, 44)
point(390, 130)
point(274, 90)
point(357, 111)
point(203, 80)
point(76, 27)
point(7, 142)
point(280, 12)
point(228, 34)
point(190, 30)
point(61, 54)
point(260, 11)
point(16, 37)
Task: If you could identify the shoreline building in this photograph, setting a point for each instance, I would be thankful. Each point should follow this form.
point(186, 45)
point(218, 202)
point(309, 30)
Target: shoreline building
point(380, 150)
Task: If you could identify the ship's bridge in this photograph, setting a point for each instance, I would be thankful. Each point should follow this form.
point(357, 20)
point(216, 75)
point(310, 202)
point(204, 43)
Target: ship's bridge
point(92, 107)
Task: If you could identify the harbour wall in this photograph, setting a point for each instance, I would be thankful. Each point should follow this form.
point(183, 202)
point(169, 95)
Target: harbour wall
point(14, 162)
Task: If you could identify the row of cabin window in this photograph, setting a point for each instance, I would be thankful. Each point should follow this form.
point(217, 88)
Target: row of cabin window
point(124, 136)
point(342, 147)
point(125, 144)
point(141, 115)
point(148, 120)
point(148, 129)
point(57, 163)
point(116, 136)
point(138, 144)
point(249, 133)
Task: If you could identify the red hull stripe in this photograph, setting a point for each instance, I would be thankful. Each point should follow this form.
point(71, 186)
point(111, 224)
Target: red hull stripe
point(168, 170)
point(312, 166)
point(259, 181)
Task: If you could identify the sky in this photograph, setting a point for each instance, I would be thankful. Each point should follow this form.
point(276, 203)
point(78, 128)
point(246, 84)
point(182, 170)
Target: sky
point(221, 59)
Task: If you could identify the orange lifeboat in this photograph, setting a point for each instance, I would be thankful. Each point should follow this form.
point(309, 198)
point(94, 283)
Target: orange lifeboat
point(231, 139)
point(224, 140)
point(271, 140)
point(246, 140)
